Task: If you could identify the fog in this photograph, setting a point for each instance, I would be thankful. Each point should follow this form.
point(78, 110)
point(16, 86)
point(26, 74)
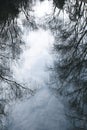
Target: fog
point(34, 58)
point(43, 111)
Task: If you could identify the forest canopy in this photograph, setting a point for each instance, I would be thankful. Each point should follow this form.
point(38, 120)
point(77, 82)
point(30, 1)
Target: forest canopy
point(70, 68)
point(70, 65)
point(10, 9)
point(73, 33)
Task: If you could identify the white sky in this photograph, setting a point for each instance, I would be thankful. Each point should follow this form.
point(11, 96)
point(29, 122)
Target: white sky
point(43, 8)
point(35, 57)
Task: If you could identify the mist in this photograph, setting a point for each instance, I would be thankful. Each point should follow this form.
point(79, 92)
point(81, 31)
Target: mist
point(43, 111)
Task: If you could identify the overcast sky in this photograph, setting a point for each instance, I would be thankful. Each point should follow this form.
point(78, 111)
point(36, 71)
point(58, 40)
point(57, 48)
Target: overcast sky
point(35, 58)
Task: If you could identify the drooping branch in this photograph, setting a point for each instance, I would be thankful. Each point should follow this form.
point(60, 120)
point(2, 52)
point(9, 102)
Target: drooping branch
point(17, 84)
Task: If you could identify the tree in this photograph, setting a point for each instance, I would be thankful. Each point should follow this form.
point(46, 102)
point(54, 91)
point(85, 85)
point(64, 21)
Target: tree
point(70, 66)
point(60, 3)
point(10, 49)
point(10, 36)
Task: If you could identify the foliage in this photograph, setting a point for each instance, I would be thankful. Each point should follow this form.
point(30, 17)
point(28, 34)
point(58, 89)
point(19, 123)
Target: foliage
point(10, 49)
point(70, 64)
point(59, 3)
point(9, 9)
